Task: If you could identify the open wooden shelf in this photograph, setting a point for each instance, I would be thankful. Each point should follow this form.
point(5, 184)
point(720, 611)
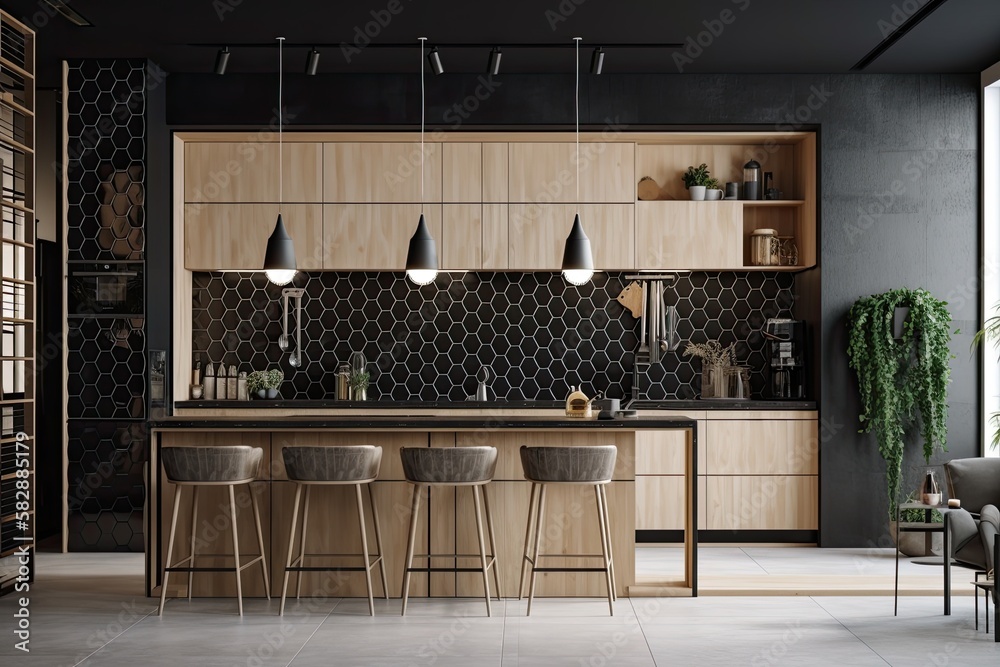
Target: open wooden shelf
point(774, 202)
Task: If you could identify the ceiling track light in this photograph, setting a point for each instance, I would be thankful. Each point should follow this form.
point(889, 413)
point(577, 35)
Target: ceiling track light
point(493, 67)
point(222, 60)
point(312, 62)
point(597, 61)
point(435, 60)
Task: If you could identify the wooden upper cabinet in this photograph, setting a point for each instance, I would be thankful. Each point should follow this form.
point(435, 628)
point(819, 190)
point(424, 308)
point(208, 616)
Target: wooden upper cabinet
point(537, 235)
point(462, 172)
point(689, 235)
point(380, 172)
point(233, 237)
point(247, 172)
point(373, 236)
point(496, 167)
point(460, 247)
point(546, 172)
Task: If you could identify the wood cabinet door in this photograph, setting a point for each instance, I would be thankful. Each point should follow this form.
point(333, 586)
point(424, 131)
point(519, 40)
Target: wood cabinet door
point(546, 172)
point(461, 245)
point(689, 235)
point(233, 237)
point(496, 167)
point(496, 248)
point(373, 237)
point(762, 447)
point(247, 172)
point(358, 173)
point(537, 235)
point(462, 166)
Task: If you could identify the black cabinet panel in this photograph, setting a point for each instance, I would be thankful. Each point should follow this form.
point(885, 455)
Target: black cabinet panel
point(106, 490)
point(107, 369)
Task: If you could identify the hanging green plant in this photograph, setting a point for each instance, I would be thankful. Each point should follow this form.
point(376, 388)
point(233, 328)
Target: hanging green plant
point(901, 380)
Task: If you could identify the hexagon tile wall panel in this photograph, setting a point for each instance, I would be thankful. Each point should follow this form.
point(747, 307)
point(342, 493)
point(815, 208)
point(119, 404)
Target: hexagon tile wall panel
point(537, 334)
point(106, 383)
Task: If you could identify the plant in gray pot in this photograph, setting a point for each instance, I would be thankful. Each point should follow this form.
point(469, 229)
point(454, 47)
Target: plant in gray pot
point(264, 384)
point(696, 180)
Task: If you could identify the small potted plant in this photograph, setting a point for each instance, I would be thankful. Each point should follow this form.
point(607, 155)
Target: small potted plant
point(696, 180)
point(358, 382)
point(712, 190)
point(265, 383)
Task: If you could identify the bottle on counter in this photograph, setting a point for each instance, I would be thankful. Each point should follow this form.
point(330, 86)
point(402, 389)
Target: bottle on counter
point(209, 389)
point(343, 382)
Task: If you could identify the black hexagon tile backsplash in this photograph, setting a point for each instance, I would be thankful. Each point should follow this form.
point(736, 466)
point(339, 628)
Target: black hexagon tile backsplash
point(536, 333)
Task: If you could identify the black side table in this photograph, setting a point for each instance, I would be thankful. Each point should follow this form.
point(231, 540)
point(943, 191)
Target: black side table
point(928, 527)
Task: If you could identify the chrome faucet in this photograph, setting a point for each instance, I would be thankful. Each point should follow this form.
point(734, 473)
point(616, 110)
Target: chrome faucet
point(483, 376)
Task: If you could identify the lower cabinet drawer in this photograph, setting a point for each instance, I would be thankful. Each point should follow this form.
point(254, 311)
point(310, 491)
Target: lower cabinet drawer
point(763, 502)
point(659, 502)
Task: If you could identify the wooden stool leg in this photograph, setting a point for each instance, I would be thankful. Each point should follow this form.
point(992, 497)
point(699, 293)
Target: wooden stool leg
point(527, 540)
point(410, 544)
point(260, 541)
point(236, 549)
point(170, 549)
point(611, 551)
point(378, 542)
point(194, 532)
point(302, 542)
point(482, 548)
point(539, 524)
point(291, 544)
point(364, 549)
point(604, 546)
point(493, 541)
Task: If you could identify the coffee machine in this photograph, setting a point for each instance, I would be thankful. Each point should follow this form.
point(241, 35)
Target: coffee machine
point(786, 358)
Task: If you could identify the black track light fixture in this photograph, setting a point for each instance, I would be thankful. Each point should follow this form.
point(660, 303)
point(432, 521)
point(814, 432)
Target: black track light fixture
point(222, 60)
point(435, 60)
point(312, 62)
point(493, 67)
point(597, 61)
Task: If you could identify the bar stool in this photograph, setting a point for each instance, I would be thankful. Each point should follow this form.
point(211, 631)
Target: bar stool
point(333, 466)
point(452, 466)
point(591, 466)
point(213, 466)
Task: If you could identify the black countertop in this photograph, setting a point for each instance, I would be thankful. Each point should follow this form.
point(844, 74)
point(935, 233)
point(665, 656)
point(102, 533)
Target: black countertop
point(407, 422)
point(696, 404)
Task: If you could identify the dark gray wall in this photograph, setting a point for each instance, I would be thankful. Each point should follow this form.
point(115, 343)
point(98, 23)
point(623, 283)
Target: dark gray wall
point(906, 143)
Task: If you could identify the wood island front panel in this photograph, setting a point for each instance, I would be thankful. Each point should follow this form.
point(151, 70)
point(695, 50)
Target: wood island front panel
point(570, 516)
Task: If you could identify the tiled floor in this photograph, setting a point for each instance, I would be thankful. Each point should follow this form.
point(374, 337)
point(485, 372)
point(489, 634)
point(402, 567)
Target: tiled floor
point(89, 610)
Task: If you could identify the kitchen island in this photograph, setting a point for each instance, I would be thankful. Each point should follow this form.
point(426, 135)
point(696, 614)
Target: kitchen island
point(571, 520)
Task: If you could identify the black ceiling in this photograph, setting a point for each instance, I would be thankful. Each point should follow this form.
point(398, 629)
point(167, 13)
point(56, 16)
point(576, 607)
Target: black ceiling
point(762, 35)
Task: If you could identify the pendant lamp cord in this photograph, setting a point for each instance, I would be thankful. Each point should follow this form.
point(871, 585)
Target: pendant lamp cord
point(281, 166)
point(423, 41)
point(577, 40)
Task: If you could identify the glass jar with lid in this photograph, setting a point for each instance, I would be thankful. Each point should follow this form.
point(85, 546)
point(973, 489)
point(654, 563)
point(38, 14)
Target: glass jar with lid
point(765, 249)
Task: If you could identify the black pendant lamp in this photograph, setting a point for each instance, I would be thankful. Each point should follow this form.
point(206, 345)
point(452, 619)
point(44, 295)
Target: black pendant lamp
point(578, 260)
point(421, 257)
point(279, 257)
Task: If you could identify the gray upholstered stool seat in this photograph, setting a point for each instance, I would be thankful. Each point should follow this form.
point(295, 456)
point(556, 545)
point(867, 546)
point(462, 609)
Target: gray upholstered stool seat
point(589, 465)
point(356, 466)
point(330, 465)
point(451, 466)
point(574, 465)
point(212, 466)
point(427, 467)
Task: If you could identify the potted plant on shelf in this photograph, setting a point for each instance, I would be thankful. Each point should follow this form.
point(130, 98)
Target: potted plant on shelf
point(265, 383)
point(696, 180)
point(901, 378)
point(358, 382)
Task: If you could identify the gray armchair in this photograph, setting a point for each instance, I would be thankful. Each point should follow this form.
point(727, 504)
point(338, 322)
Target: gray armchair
point(972, 530)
